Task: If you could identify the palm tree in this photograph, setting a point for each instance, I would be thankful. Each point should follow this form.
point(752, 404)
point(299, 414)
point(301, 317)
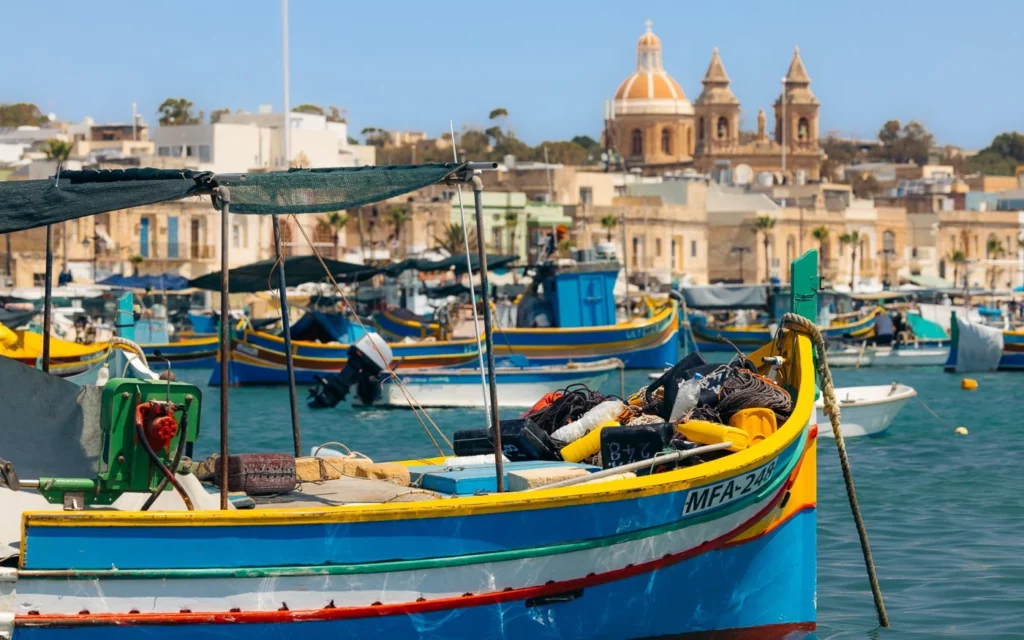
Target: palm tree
point(337, 221)
point(821, 235)
point(136, 260)
point(958, 258)
point(852, 238)
point(765, 224)
point(512, 224)
point(398, 216)
point(452, 241)
point(609, 223)
point(993, 249)
point(500, 114)
point(60, 151)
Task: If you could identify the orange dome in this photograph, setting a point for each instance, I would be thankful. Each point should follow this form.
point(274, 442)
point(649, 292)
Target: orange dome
point(650, 89)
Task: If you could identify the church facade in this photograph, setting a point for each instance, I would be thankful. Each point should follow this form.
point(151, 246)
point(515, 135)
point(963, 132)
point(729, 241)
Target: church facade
point(652, 126)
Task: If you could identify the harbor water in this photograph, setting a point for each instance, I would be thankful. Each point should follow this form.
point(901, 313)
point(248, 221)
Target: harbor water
point(944, 512)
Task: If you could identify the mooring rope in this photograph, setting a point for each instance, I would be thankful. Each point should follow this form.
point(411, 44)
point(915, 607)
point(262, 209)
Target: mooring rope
point(803, 325)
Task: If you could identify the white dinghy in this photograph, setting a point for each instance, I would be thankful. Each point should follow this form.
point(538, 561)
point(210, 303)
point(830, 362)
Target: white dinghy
point(867, 411)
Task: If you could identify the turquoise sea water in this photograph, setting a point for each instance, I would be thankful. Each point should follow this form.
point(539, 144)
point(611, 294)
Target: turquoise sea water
point(944, 513)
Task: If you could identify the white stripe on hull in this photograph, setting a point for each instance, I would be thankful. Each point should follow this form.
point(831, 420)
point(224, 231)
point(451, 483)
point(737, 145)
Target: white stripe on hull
point(510, 394)
point(313, 592)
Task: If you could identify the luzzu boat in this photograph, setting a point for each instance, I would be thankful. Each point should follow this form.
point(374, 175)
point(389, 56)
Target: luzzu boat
point(708, 335)
point(259, 358)
point(724, 545)
point(984, 348)
point(66, 358)
point(398, 323)
point(187, 353)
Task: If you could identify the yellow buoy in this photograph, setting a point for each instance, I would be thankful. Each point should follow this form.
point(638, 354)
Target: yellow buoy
point(960, 431)
point(968, 384)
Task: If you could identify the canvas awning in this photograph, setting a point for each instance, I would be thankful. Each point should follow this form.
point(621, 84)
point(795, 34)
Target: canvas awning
point(725, 297)
point(163, 281)
point(930, 282)
point(263, 275)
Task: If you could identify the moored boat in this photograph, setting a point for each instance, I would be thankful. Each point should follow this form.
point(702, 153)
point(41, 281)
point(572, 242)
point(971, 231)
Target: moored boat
point(902, 355)
point(975, 347)
point(869, 410)
point(66, 358)
point(518, 385)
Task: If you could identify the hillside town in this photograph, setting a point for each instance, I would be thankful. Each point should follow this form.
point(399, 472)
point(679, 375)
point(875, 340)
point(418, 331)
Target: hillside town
point(677, 189)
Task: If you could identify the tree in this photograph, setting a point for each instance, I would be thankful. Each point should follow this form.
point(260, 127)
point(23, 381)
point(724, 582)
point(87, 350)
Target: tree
point(512, 224)
point(136, 260)
point(375, 136)
point(852, 238)
point(334, 114)
point(765, 224)
point(217, 114)
point(562, 152)
point(58, 150)
point(864, 185)
point(609, 222)
point(501, 115)
point(176, 112)
point(352, 140)
point(495, 134)
point(337, 221)
point(586, 142)
point(21, 114)
point(308, 108)
point(452, 240)
point(912, 143)
point(993, 250)
point(1000, 158)
point(957, 258)
point(821, 235)
point(398, 215)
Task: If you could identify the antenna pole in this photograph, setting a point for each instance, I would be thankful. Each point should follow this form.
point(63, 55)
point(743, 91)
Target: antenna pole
point(289, 359)
point(48, 299)
point(478, 188)
point(224, 194)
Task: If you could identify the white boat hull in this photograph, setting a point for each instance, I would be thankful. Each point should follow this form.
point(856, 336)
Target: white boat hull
point(904, 356)
point(517, 387)
point(866, 411)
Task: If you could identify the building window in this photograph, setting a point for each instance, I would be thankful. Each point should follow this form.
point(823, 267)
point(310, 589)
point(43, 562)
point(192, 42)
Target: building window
point(723, 128)
point(657, 247)
point(888, 241)
point(637, 144)
point(497, 236)
point(164, 152)
point(666, 142)
point(189, 151)
point(636, 250)
point(204, 152)
point(693, 248)
point(700, 129)
point(803, 130)
point(586, 196)
point(913, 252)
point(39, 279)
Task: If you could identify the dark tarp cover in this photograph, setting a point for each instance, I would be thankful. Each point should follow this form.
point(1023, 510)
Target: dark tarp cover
point(262, 275)
point(163, 281)
point(28, 204)
point(322, 327)
point(15, 319)
point(725, 297)
point(494, 261)
point(326, 190)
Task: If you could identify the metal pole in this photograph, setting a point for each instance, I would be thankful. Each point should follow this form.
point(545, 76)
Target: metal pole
point(225, 344)
point(10, 259)
point(287, 103)
point(478, 187)
point(286, 327)
point(48, 298)
point(625, 262)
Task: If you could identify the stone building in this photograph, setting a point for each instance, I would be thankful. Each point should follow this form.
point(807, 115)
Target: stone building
point(652, 126)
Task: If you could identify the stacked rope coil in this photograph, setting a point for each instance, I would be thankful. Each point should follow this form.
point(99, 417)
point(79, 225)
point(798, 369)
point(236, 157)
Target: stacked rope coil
point(575, 401)
point(745, 389)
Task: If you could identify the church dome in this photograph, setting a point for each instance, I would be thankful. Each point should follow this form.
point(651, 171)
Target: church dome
point(650, 89)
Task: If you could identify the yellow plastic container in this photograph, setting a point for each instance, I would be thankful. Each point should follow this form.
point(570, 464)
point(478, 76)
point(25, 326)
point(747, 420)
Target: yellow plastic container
point(969, 384)
point(586, 446)
point(712, 433)
point(758, 423)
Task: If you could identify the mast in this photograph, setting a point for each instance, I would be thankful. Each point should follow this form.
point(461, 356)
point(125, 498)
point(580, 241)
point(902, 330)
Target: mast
point(48, 298)
point(224, 195)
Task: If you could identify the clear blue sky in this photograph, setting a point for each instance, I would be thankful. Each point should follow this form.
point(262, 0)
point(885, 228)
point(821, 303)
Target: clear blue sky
point(414, 65)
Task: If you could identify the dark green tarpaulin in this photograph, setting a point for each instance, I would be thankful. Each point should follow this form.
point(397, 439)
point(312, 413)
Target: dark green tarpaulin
point(29, 204)
point(325, 190)
point(458, 262)
point(263, 275)
point(37, 203)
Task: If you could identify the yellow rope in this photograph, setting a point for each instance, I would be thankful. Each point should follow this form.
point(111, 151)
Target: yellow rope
point(801, 324)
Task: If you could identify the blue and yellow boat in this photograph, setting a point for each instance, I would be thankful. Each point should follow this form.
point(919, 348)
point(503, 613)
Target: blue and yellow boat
point(1010, 356)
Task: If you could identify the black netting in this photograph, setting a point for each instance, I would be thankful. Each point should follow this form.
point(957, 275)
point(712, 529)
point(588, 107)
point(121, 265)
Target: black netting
point(324, 190)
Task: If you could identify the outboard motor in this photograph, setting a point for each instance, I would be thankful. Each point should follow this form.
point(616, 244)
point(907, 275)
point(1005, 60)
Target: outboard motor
point(366, 359)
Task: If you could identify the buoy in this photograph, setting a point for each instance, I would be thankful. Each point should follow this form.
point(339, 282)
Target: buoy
point(960, 431)
point(968, 384)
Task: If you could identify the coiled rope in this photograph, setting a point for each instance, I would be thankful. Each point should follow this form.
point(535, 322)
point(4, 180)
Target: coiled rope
point(744, 389)
point(803, 325)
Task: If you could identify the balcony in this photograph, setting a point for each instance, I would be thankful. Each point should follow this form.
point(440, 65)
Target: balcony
point(180, 252)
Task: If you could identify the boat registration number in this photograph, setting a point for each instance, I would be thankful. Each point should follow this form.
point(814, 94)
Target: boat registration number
point(720, 493)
